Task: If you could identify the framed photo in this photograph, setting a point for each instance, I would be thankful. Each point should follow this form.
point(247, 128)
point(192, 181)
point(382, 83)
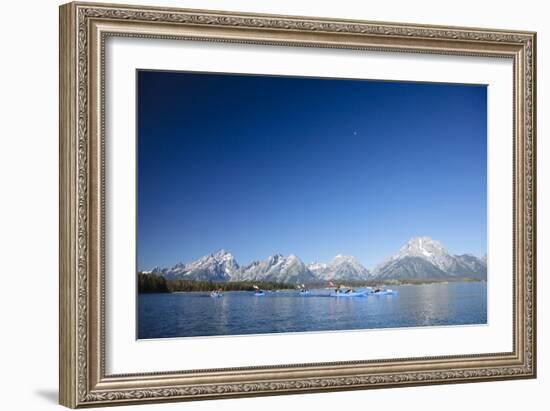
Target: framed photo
point(259, 204)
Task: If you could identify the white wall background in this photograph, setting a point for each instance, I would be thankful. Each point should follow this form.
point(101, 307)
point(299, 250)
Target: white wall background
point(29, 189)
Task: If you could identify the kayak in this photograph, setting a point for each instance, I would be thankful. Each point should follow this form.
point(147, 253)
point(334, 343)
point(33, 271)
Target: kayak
point(259, 294)
point(384, 292)
point(215, 294)
point(303, 293)
point(348, 295)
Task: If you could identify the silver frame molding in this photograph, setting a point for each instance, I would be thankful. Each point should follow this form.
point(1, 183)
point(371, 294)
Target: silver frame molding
point(84, 27)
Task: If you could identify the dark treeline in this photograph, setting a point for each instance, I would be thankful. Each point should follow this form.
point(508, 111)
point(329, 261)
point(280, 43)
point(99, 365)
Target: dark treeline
point(150, 283)
point(187, 285)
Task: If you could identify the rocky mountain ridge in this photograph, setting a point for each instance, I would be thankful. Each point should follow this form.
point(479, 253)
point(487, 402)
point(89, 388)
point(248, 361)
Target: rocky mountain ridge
point(421, 258)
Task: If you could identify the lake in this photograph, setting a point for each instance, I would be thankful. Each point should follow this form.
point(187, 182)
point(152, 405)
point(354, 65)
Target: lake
point(240, 312)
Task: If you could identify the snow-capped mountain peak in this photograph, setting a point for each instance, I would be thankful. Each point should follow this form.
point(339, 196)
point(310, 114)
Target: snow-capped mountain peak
point(423, 257)
point(423, 246)
point(341, 267)
point(224, 256)
point(212, 267)
point(276, 268)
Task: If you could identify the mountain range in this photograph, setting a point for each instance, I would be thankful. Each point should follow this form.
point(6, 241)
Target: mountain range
point(421, 258)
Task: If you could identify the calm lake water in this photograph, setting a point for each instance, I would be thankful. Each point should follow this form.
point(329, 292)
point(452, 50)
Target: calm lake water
point(238, 312)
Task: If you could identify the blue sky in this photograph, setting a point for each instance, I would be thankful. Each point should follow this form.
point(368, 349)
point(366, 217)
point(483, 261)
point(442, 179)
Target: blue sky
point(315, 167)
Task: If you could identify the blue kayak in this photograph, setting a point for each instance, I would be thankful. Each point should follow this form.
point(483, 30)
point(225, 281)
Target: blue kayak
point(259, 294)
point(303, 293)
point(383, 292)
point(348, 295)
point(215, 294)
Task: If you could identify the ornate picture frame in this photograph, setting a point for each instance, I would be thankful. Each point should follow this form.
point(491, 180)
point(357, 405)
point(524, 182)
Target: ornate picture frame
point(84, 28)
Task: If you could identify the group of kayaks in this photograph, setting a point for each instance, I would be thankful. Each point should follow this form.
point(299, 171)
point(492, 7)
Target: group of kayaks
point(338, 293)
point(218, 294)
point(362, 293)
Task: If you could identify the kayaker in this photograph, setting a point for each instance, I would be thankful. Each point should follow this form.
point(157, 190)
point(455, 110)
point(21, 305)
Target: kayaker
point(341, 288)
point(345, 289)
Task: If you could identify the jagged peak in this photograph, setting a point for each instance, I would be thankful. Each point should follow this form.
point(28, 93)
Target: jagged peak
point(423, 241)
point(342, 257)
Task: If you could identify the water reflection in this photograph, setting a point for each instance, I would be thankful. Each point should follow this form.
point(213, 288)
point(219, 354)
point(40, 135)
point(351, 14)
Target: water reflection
point(196, 314)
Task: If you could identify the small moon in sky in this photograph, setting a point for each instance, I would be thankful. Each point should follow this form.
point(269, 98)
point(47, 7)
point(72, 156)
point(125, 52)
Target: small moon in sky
point(355, 132)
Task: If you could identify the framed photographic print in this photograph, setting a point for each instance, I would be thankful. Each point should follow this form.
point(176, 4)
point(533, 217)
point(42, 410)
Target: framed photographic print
point(259, 204)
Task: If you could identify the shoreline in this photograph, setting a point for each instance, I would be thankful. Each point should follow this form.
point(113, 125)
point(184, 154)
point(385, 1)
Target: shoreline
point(291, 287)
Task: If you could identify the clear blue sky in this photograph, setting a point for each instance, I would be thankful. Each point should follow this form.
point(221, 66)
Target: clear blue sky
point(314, 167)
